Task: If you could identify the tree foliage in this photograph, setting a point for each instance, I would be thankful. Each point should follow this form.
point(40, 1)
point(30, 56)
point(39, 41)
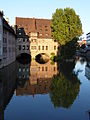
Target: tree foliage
point(66, 25)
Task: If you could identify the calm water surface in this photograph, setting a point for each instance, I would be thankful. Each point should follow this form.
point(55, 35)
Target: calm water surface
point(45, 91)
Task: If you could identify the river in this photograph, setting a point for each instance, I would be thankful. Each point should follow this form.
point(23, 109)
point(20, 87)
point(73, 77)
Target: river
point(50, 91)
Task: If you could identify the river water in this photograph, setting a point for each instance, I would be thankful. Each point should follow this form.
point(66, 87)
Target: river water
point(50, 91)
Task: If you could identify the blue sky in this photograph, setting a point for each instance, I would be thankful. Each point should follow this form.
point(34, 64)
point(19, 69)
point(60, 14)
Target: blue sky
point(45, 8)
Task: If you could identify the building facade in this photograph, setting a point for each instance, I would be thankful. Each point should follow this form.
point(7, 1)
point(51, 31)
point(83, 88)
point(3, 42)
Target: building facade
point(88, 39)
point(87, 69)
point(82, 41)
point(1, 38)
point(7, 43)
point(88, 45)
point(39, 33)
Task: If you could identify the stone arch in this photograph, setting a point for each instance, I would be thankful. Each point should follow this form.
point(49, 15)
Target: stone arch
point(24, 58)
point(42, 57)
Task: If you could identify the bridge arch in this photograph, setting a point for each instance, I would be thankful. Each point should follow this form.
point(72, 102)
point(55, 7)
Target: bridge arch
point(23, 58)
point(42, 58)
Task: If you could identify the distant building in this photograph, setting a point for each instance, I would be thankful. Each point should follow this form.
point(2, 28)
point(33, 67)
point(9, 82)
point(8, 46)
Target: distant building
point(88, 39)
point(7, 42)
point(88, 45)
point(34, 37)
point(82, 41)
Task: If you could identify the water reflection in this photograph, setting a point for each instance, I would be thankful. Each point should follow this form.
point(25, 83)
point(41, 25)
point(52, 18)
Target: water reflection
point(50, 78)
point(35, 78)
point(87, 69)
point(7, 87)
point(57, 84)
point(65, 87)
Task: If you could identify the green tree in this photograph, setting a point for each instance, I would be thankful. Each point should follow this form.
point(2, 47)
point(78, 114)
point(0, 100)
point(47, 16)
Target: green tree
point(66, 25)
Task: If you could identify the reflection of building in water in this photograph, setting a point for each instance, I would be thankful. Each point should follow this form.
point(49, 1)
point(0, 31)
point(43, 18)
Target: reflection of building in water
point(41, 71)
point(1, 99)
point(7, 87)
point(39, 80)
point(23, 72)
point(87, 70)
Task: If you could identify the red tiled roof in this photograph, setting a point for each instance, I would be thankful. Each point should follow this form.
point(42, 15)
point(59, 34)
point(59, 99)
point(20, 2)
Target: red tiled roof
point(41, 26)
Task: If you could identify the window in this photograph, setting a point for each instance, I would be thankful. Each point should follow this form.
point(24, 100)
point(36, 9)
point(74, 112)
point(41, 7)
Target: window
point(23, 69)
point(46, 47)
point(33, 47)
point(28, 76)
point(27, 69)
point(19, 69)
point(9, 49)
point(46, 30)
point(23, 39)
point(54, 68)
point(23, 47)
point(39, 68)
point(4, 40)
point(42, 68)
point(0, 50)
point(34, 40)
point(27, 40)
point(5, 49)
point(39, 47)
point(54, 47)
point(31, 40)
point(27, 47)
point(20, 39)
point(46, 68)
point(0, 37)
point(42, 47)
point(19, 47)
point(40, 29)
